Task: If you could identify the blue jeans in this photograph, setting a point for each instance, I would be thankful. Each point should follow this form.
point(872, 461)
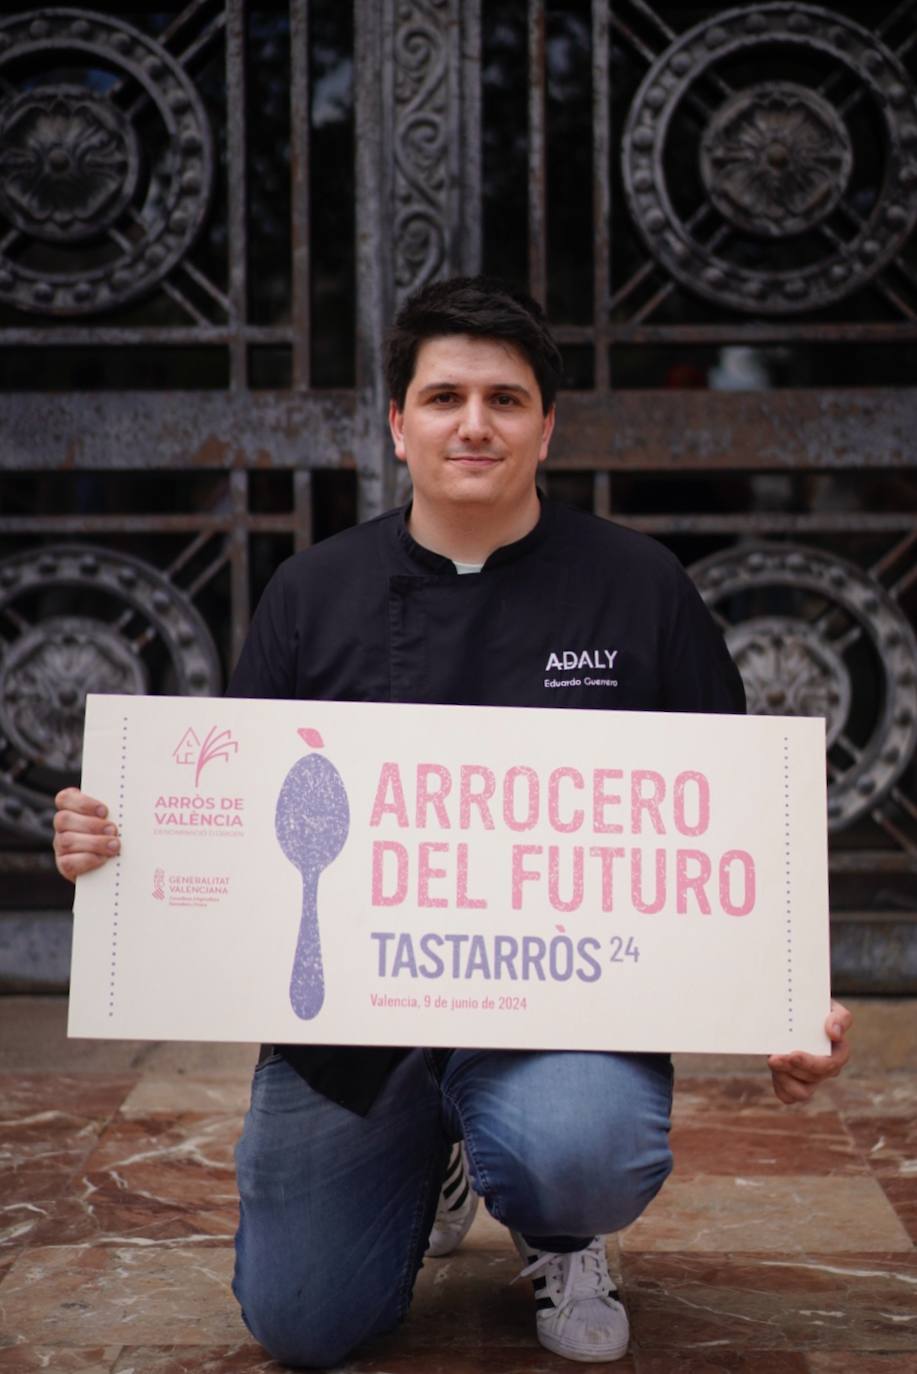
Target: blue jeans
point(336, 1208)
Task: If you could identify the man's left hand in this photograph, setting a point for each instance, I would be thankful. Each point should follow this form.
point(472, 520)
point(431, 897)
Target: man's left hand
point(797, 1075)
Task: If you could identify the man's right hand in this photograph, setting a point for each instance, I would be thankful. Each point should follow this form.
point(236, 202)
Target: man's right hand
point(84, 836)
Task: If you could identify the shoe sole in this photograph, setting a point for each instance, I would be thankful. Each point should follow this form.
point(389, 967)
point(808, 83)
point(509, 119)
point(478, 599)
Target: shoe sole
point(559, 1348)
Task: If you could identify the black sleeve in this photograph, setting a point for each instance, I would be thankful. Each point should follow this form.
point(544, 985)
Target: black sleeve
point(698, 673)
point(267, 663)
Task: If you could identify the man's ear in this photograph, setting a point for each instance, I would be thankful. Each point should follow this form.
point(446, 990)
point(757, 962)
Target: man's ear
point(546, 432)
point(396, 426)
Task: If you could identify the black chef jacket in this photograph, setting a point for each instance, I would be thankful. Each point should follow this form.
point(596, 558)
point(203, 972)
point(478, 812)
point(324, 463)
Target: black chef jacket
point(370, 615)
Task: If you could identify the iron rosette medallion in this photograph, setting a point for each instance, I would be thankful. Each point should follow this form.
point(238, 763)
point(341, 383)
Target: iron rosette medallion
point(76, 619)
point(69, 163)
point(815, 635)
point(774, 158)
point(104, 180)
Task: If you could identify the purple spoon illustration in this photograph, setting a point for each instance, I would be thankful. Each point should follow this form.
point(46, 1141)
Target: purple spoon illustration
point(311, 823)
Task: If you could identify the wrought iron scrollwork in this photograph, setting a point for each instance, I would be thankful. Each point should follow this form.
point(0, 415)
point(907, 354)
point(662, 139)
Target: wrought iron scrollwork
point(122, 158)
point(815, 635)
point(76, 619)
point(421, 132)
point(775, 159)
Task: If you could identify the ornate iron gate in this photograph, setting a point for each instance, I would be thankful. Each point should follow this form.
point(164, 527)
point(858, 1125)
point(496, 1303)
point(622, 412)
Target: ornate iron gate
point(207, 216)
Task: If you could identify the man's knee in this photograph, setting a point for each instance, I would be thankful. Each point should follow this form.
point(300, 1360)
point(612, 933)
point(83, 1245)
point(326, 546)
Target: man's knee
point(303, 1310)
point(627, 1188)
point(293, 1339)
point(289, 1339)
point(295, 1332)
point(591, 1187)
point(593, 1167)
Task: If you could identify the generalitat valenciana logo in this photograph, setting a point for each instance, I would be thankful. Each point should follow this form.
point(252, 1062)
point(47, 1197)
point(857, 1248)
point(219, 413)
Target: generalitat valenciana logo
point(190, 752)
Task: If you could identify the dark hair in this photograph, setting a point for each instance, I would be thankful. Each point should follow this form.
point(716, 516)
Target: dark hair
point(482, 306)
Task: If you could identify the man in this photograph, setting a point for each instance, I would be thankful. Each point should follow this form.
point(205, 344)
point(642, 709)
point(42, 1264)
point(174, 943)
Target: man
point(463, 597)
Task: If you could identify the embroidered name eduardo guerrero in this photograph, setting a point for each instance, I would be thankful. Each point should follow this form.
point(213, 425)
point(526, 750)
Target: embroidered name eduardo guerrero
point(575, 660)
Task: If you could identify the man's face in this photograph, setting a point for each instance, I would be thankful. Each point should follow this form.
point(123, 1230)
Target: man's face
point(472, 430)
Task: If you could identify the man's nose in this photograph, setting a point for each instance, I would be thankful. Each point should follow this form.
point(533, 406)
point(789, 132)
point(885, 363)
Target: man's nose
point(474, 421)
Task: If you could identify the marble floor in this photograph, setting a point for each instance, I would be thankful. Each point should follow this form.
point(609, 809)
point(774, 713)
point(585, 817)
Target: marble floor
point(784, 1242)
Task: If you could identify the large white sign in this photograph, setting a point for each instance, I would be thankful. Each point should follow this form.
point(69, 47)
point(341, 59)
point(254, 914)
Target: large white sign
point(356, 873)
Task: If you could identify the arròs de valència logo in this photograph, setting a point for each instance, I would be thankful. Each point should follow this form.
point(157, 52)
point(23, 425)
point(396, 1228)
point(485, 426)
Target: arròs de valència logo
point(190, 752)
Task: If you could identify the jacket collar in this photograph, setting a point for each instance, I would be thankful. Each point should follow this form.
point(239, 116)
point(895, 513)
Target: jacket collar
point(428, 561)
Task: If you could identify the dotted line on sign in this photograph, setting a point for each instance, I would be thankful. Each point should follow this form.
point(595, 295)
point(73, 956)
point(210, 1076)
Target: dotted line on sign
point(116, 904)
point(786, 877)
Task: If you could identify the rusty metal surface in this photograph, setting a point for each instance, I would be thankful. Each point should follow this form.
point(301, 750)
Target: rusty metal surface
point(92, 524)
point(693, 430)
point(764, 522)
point(648, 430)
point(871, 861)
point(115, 336)
point(742, 332)
point(185, 429)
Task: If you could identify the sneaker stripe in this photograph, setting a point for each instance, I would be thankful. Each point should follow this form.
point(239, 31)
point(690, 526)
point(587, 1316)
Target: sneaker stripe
point(577, 1308)
point(460, 1200)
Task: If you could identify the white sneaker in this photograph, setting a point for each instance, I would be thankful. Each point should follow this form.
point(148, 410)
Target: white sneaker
point(577, 1314)
point(455, 1210)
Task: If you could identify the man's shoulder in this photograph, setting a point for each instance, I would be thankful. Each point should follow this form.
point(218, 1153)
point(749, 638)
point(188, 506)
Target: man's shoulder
point(595, 537)
point(349, 550)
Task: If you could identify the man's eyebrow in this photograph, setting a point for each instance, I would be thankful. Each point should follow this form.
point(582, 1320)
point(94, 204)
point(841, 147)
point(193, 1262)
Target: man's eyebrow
point(457, 386)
